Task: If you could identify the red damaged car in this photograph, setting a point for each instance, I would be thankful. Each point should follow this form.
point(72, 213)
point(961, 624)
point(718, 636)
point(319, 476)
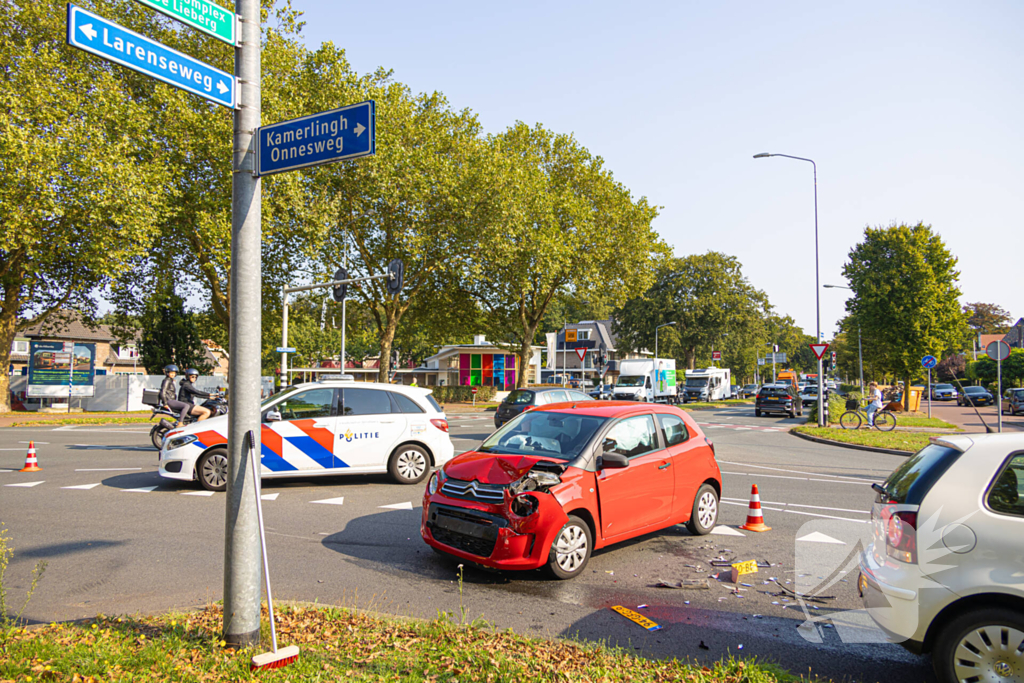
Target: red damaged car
point(557, 483)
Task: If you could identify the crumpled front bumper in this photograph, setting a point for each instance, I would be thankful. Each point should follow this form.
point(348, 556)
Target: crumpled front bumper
point(492, 535)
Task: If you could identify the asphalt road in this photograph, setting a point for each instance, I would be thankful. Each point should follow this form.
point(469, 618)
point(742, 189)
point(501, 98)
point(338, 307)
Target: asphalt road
point(118, 539)
point(970, 420)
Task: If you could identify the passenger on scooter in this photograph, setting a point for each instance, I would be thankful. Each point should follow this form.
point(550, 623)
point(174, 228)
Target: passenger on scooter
point(167, 395)
point(188, 392)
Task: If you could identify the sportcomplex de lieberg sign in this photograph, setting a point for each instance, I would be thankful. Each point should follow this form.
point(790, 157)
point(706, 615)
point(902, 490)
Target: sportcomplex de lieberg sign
point(49, 369)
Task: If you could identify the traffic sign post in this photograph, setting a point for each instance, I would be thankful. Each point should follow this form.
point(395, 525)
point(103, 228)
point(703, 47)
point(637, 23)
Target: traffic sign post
point(716, 355)
point(202, 15)
point(819, 351)
point(999, 350)
point(335, 135)
point(581, 353)
point(929, 362)
point(96, 35)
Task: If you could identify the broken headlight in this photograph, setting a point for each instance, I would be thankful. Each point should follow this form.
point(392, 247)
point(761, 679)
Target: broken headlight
point(524, 506)
point(535, 480)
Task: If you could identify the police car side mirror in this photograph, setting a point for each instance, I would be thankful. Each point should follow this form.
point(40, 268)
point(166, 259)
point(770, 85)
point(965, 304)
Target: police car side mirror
point(273, 416)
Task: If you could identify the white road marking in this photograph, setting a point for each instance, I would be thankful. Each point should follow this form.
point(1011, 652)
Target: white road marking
point(198, 493)
point(396, 506)
point(330, 501)
point(273, 496)
point(81, 487)
point(747, 505)
point(37, 443)
point(6, 470)
point(13, 449)
point(27, 485)
point(742, 429)
point(837, 477)
point(727, 531)
point(141, 489)
point(113, 469)
point(799, 505)
point(818, 537)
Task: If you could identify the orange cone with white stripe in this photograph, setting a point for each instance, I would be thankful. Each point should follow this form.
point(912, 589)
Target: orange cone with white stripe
point(31, 464)
point(755, 520)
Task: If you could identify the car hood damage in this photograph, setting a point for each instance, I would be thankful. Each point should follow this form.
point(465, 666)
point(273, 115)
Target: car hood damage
point(502, 470)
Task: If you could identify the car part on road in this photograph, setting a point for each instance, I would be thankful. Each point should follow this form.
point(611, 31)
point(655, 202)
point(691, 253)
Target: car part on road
point(982, 645)
point(705, 511)
point(409, 464)
point(212, 470)
point(570, 550)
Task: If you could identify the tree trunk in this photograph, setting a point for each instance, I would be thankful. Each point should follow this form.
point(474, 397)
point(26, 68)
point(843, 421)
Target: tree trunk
point(690, 356)
point(8, 329)
point(906, 394)
point(524, 357)
point(387, 338)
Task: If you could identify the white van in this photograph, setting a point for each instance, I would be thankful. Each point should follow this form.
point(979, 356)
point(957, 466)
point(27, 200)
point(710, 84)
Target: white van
point(652, 381)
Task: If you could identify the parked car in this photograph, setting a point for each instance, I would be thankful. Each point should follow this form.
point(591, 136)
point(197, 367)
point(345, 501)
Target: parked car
point(945, 571)
point(604, 392)
point(521, 400)
point(748, 391)
point(561, 481)
point(779, 398)
point(943, 392)
point(976, 396)
point(1013, 402)
point(327, 427)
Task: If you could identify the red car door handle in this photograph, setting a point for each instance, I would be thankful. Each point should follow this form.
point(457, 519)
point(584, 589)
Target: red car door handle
point(664, 465)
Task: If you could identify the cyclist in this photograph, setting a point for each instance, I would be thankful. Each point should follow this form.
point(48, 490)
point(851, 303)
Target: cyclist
point(167, 394)
point(187, 392)
point(874, 402)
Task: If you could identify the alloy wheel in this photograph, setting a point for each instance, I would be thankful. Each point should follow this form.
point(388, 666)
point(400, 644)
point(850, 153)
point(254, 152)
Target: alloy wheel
point(214, 470)
point(571, 548)
point(990, 652)
point(411, 464)
point(707, 509)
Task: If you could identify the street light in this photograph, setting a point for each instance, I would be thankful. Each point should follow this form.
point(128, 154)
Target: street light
point(817, 282)
point(860, 350)
point(656, 338)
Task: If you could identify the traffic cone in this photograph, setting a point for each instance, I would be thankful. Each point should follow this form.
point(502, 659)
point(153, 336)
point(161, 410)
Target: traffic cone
point(31, 464)
point(755, 520)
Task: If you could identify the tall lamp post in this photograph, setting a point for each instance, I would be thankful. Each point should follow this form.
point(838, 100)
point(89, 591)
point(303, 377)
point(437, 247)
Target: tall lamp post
point(817, 283)
point(860, 350)
point(656, 338)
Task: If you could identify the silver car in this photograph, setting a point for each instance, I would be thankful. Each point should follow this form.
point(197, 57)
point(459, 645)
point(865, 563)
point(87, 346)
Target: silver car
point(945, 570)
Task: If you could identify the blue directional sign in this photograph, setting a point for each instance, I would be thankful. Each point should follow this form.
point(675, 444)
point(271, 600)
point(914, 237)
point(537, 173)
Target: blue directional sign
point(344, 133)
point(929, 362)
point(94, 34)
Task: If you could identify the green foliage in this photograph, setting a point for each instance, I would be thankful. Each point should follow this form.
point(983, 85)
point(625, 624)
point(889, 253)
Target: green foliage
point(836, 407)
point(985, 369)
point(909, 442)
point(169, 334)
point(953, 366)
point(985, 318)
point(906, 297)
point(9, 621)
point(457, 394)
point(713, 306)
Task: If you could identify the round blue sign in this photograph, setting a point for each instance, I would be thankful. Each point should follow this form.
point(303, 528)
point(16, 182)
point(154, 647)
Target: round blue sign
point(929, 362)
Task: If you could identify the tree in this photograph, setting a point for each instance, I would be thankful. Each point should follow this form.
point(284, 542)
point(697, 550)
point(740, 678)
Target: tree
point(986, 370)
point(168, 334)
point(951, 367)
point(80, 187)
point(560, 225)
point(709, 299)
point(987, 318)
point(905, 285)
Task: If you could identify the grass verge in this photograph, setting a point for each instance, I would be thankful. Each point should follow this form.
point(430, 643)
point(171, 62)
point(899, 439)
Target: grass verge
point(698, 405)
point(914, 421)
point(57, 422)
point(901, 441)
point(337, 644)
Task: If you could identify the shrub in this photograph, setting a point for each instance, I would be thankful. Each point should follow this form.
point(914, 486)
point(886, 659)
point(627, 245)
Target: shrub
point(836, 407)
point(457, 394)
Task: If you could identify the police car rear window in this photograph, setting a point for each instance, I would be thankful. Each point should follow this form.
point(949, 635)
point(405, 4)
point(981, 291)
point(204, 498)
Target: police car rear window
point(434, 404)
point(406, 404)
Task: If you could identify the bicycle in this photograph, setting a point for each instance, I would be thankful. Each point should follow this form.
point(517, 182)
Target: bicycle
point(854, 417)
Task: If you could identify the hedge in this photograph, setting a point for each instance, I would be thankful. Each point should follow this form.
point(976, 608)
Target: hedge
point(456, 394)
point(836, 407)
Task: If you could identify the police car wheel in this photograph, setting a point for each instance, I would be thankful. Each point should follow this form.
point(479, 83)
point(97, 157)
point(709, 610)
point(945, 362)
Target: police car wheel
point(212, 470)
point(409, 464)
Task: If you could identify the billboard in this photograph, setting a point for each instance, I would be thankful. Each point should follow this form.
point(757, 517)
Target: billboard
point(50, 369)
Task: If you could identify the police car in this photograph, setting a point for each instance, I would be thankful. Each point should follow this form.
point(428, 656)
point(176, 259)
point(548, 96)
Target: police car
point(329, 427)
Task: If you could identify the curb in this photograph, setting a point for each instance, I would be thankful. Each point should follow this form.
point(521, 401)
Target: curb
point(854, 446)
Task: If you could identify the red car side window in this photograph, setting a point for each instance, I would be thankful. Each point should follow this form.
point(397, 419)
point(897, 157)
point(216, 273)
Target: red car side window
point(634, 436)
point(674, 429)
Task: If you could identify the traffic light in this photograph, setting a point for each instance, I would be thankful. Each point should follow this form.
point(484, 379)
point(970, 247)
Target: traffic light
point(396, 270)
point(339, 291)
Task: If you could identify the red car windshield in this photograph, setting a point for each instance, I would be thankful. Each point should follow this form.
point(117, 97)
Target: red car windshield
point(559, 436)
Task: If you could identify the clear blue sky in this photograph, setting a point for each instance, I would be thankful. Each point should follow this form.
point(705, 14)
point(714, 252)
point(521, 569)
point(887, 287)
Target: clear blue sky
point(912, 111)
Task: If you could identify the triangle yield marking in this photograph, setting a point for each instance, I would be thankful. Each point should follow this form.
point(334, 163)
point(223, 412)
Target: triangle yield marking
point(81, 487)
point(727, 531)
point(330, 501)
point(26, 485)
point(818, 537)
point(273, 496)
point(141, 489)
point(396, 506)
point(198, 493)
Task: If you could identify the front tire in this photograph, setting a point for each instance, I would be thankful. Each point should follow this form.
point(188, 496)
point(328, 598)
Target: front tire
point(885, 422)
point(409, 464)
point(705, 511)
point(212, 470)
point(156, 435)
point(570, 551)
point(757, 413)
point(971, 647)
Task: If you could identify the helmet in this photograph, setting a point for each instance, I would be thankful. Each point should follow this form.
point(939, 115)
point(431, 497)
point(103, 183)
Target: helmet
point(191, 371)
point(170, 368)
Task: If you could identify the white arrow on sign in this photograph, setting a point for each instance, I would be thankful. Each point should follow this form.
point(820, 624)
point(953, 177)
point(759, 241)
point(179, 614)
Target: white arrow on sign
point(221, 87)
point(88, 30)
point(359, 129)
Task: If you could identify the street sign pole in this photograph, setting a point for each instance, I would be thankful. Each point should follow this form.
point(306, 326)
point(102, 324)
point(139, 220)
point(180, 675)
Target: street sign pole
point(284, 339)
point(242, 565)
point(999, 393)
point(929, 393)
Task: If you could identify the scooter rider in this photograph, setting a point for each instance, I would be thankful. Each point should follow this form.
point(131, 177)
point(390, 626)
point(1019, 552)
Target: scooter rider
point(188, 393)
point(168, 394)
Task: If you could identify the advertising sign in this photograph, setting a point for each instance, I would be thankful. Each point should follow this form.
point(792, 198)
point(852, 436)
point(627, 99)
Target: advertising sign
point(49, 369)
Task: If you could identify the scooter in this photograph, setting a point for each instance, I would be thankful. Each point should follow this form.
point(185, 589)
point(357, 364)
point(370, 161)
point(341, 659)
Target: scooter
point(217, 405)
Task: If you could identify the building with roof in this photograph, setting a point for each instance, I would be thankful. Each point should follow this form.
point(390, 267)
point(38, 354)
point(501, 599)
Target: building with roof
point(481, 363)
point(597, 341)
point(1014, 338)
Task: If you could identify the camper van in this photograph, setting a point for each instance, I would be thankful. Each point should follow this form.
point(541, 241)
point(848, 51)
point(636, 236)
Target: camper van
point(653, 381)
point(707, 384)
